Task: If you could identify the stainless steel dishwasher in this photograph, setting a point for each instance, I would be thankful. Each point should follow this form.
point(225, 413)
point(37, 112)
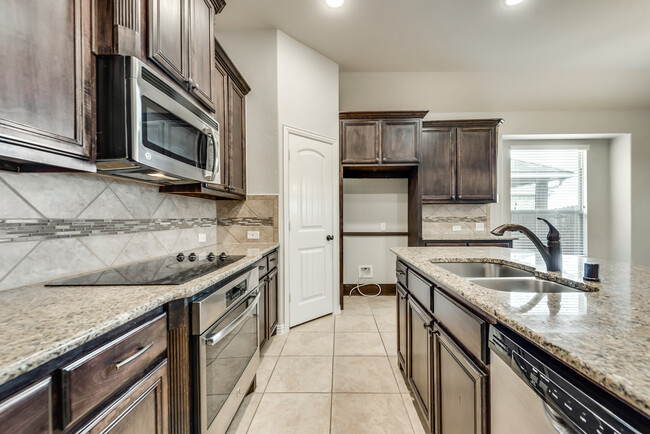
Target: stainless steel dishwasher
point(531, 393)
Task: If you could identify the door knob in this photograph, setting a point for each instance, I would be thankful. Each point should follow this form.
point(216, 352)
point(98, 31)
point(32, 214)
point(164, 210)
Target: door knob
point(329, 237)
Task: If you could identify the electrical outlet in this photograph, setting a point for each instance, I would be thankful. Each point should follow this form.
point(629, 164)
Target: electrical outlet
point(253, 235)
point(480, 227)
point(456, 228)
point(382, 226)
point(202, 238)
point(365, 271)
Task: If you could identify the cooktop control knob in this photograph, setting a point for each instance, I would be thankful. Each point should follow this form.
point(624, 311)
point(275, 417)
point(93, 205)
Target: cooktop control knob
point(223, 256)
point(211, 257)
point(180, 257)
point(192, 257)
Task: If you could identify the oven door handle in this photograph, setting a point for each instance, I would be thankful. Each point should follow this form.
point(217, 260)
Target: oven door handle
point(216, 337)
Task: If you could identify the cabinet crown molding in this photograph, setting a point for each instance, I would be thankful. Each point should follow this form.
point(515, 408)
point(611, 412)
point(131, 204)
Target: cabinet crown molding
point(404, 114)
point(464, 122)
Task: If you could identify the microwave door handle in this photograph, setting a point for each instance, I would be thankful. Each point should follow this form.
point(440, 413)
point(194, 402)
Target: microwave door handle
point(212, 165)
point(212, 339)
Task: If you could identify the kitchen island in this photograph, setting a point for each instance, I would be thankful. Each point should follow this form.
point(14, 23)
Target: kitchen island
point(602, 331)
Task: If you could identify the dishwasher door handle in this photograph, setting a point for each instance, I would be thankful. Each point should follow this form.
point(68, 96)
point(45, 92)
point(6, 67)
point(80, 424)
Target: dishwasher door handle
point(556, 420)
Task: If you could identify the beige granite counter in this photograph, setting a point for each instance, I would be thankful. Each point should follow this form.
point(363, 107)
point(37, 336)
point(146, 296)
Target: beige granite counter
point(604, 334)
point(40, 323)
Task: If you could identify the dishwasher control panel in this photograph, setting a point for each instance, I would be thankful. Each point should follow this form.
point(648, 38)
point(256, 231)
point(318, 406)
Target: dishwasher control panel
point(566, 402)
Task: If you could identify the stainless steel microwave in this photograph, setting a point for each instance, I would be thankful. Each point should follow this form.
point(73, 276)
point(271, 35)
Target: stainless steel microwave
point(149, 131)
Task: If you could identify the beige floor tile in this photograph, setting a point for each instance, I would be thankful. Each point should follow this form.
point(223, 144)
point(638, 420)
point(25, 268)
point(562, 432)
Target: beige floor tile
point(264, 372)
point(382, 301)
point(355, 308)
point(289, 413)
point(399, 377)
point(274, 345)
point(369, 413)
point(324, 324)
point(413, 415)
point(390, 343)
point(363, 375)
point(244, 415)
point(355, 324)
point(302, 374)
point(355, 300)
point(358, 344)
point(309, 344)
point(386, 323)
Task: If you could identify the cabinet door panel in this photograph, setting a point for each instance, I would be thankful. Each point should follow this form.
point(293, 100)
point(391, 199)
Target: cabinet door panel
point(46, 85)
point(402, 326)
point(221, 114)
point(202, 72)
point(420, 353)
point(360, 142)
point(476, 150)
point(273, 301)
point(438, 164)
point(262, 325)
point(400, 141)
point(461, 388)
point(237, 138)
point(28, 411)
point(168, 41)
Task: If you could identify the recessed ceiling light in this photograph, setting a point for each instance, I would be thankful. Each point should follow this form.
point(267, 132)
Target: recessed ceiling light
point(334, 3)
point(513, 2)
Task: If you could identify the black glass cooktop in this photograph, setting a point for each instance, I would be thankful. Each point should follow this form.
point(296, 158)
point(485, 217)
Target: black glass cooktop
point(172, 270)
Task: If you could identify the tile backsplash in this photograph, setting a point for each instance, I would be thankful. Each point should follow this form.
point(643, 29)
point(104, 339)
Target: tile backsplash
point(256, 213)
point(438, 221)
point(59, 224)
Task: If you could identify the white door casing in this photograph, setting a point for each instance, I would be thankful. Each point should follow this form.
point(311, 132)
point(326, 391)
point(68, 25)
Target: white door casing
point(312, 283)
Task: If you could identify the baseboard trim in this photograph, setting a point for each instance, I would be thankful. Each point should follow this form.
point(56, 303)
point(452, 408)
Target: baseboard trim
point(386, 289)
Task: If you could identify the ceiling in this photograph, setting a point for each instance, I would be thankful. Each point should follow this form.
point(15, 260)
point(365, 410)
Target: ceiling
point(458, 35)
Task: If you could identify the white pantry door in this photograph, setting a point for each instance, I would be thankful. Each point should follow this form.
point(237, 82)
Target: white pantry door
point(311, 221)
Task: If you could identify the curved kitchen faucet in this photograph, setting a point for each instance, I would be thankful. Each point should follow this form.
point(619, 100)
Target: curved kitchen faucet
point(552, 253)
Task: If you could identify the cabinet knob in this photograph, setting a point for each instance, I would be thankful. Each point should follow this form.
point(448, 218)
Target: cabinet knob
point(453, 197)
point(460, 196)
point(377, 159)
point(384, 159)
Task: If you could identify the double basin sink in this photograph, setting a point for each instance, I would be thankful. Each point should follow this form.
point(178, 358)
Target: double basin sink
point(502, 277)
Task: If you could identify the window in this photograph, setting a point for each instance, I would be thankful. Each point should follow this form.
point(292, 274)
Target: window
point(550, 183)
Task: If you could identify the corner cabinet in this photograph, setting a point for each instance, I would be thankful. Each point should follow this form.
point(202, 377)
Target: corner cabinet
point(459, 161)
point(47, 111)
point(375, 138)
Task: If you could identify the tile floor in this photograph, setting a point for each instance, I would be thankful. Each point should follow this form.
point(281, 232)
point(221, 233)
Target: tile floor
point(337, 374)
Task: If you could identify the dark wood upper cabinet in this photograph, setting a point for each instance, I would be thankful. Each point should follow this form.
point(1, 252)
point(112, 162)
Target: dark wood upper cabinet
point(371, 138)
point(28, 411)
point(169, 37)
point(47, 112)
point(458, 161)
point(202, 79)
point(236, 138)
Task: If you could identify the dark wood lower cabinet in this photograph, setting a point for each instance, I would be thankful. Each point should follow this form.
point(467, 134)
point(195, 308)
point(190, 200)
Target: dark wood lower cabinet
point(28, 411)
point(421, 360)
point(272, 288)
point(261, 315)
point(460, 390)
point(270, 291)
point(402, 312)
point(143, 409)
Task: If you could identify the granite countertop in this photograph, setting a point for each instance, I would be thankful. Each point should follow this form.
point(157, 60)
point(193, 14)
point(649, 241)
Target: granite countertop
point(604, 334)
point(465, 236)
point(41, 323)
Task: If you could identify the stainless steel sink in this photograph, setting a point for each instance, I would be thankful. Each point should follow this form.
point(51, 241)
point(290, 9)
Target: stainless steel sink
point(482, 269)
point(529, 284)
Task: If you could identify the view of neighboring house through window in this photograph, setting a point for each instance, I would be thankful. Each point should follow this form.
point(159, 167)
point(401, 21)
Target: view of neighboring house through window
point(550, 183)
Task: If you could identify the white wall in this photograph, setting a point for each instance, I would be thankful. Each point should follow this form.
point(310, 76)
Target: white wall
point(366, 204)
point(621, 198)
point(526, 111)
point(255, 55)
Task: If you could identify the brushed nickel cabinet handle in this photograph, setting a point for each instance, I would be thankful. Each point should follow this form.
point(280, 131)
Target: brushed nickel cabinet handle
point(126, 361)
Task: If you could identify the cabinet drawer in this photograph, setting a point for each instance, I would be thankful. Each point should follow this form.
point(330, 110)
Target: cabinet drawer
point(420, 289)
point(273, 260)
point(469, 330)
point(263, 266)
point(28, 411)
point(400, 272)
point(97, 376)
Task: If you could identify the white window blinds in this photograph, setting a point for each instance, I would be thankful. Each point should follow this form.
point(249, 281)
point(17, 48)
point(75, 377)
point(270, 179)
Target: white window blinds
point(550, 183)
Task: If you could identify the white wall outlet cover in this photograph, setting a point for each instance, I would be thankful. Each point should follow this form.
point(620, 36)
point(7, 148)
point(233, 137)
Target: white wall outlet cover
point(202, 238)
point(480, 226)
point(365, 271)
point(382, 226)
point(253, 235)
point(455, 228)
